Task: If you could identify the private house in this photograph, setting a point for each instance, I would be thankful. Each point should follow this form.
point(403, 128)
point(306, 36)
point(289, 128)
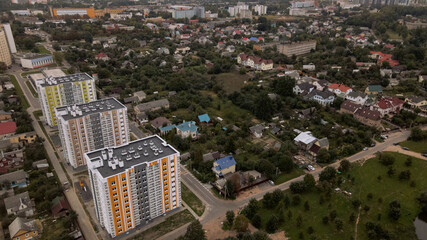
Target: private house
point(102, 56)
point(10, 161)
point(60, 207)
point(141, 117)
point(321, 84)
point(7, 129)
point(24, 229)
point(383, 57)
point(349, 107)
point(323, 98)
point(416, 101)
point(340, 90)
point(319, 144)
point(159, 122)
point(187, 129)
point(357, 97)
point(18, 179)
point(204, 119)
point(389, 105)
point(422, 78)
point(305, 140)
point(152, 106)
point(224, 166)
point(254, 62)
point(374, 89)
point(140, 95)
point(257, 130)
point(368, 117)
point(5, 116)
point(166, 129)
point(20, 205)
point(303, 88)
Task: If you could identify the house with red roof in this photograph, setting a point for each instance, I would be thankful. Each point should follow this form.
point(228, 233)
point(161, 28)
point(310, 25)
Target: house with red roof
point(389, 105)
point(383, 57)
point(255, 62)
point(339, 89)
point(102, 56)
point(7, 129)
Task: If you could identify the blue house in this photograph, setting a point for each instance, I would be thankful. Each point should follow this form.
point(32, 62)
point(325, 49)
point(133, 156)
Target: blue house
point(187, 129)
point(254, 39)
point(204, 118)
point(224, 165)
point(166, 129)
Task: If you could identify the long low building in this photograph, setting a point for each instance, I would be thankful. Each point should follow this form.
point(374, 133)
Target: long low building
point(58, 12)
point(134, 183)
point(298, 48)
point(36, 61)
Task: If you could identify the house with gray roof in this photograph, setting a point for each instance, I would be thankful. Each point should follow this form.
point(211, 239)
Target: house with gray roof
point(357, 97)
point(323, 98)
point(22, 228)
point(152, 106)
point(257, 130)
point(20, 205)
point(18, 179)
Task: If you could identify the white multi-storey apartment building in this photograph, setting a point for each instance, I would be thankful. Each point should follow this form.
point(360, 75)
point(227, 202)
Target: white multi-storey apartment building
point(90, 126)
point(64, 91)
point(260, 9)
point(134, 183)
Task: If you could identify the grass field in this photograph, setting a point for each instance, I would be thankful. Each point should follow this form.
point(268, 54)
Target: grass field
point(20, 93)
point(43, 50)
point(171, 223)
point(192, 200)
point(30, 86)
point(232, 82)
point(384, 190)
point(420, 147)
point(24, 75)
point(288, 176)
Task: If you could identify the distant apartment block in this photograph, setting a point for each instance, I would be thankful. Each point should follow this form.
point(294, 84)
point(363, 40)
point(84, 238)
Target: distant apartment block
point(234, 11)
point(7, 44)
point(36, 61)
point(30, 1)
point(298, 48)
point(260, 9)
point(63, 91)
point(134, 183)
point(90, 126)
point(179, 12)
point(58, 12)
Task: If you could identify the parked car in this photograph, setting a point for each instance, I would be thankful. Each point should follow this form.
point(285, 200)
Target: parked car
point(405, 148)
point(271, 182)
point(365, 148)
point(373, 145)
point(310, 168)
point(396, 143)
point(424, 154)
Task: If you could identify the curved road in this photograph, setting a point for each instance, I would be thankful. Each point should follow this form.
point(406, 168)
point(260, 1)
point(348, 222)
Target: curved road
point(216, 207)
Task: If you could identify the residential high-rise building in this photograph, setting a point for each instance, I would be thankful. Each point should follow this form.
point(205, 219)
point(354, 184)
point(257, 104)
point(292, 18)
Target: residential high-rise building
point(7, 44)
point(90, 126)
point(134, 183)
point(63, 91)
point(298, 48)
point(260, 9)
point(234, 11)
point(187, 12)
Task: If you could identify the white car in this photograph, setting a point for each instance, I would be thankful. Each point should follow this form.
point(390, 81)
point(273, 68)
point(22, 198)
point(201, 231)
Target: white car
point(365, 148)
point(310, 168)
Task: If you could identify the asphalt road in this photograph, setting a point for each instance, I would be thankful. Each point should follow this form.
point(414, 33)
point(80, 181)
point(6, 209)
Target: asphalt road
point(217, 207)
point(82, 219)
point(135, 130)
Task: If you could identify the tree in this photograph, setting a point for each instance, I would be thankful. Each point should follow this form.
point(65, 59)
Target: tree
point(272, 224)
point(394, 210)
point(309, 181)
point(344, 165)
point(59, 58)
point(229, 188)
point(256, 221)
point(325, 220)
point(230, 217)
point(408, 162)
point(297, 187)
point(327, 174)
point(323, 156)
point(241, 223)
point(417, 134)
point(386, 159)
point(405, 175)
point(333, 215)
point(339, 224)
point(195, 231)
point(284, 86)
point(251, 209)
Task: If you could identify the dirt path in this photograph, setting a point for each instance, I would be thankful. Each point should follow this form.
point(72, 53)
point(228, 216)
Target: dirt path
point(400, 150)
point(357, 223)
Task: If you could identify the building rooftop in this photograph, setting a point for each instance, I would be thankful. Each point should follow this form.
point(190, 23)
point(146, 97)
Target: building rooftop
point(225, 162)
point(79, 110)
point(54, 73)
point(35, 56)
point(78, 77)
point(7, 127)
point(113, 160)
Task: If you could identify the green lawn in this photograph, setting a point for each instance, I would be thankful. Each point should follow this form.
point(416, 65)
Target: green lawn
point(192, 200)
point(283, 177)
point(43, 50)
point(30, 86)
point(232, 82)
point(29, 73)
point(20, 93)
point(420, 147)
point(384, 190)
point(171, 223)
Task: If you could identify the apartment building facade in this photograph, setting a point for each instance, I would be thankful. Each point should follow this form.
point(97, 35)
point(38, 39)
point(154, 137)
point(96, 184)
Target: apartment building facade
point(90, 126)
point(298, 48)
point(134, 183)
point(7, 44)
point(63, 91)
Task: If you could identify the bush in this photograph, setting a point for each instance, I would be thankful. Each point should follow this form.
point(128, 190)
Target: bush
point(405, 175)
point(386, 159)
point(272, 224)
point(256, 221)
point(241, 223)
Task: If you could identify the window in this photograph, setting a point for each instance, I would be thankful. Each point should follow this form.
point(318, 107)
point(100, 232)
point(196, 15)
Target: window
point(124, 179)
point(113, 183)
